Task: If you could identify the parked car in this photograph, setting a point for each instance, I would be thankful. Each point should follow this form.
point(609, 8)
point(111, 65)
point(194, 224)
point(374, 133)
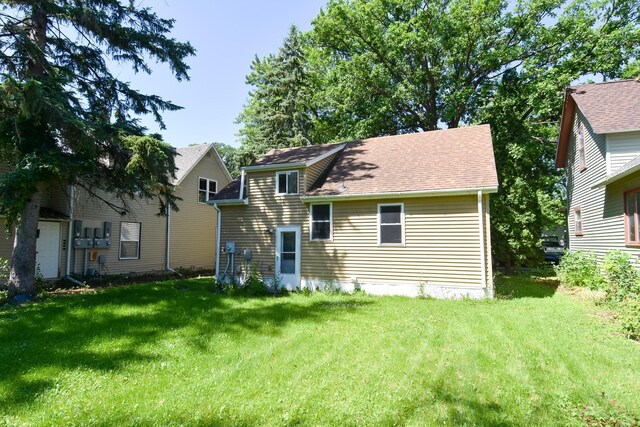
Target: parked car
point(553, 248)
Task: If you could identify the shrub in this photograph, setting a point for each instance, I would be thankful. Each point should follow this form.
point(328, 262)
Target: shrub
point(629, 315)
point(579, 268)
point(621, 275)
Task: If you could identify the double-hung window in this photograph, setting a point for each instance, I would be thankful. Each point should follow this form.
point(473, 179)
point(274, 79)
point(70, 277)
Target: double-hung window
point(631, 217)
point(287, 182)
point(577, 221)
point(130, 240)
point(321, 221)
point(391, 224)
point(206, 189)
point(582, 152)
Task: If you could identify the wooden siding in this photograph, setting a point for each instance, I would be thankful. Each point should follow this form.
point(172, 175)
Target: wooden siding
point(622, 149)
point(441, 234)
point(314, 171)
point(602, 207)
point(193, 228)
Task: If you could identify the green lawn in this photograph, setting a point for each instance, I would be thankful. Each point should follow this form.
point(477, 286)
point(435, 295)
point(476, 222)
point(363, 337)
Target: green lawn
point(174, 353)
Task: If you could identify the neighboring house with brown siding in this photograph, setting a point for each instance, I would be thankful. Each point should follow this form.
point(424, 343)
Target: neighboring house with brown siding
point(599, 146)
point(106, 242)
point(392, 215)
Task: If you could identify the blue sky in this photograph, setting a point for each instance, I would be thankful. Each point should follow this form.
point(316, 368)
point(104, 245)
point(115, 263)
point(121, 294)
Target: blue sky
point(226, 35)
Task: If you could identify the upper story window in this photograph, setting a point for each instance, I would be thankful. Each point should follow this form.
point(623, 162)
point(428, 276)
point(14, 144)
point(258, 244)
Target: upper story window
point(206, 189)
point(582, 153)
point(130, 240)
point(321, 221)
point(577, 221)
point(391, 224)
point(287, 182)
point(631, 203)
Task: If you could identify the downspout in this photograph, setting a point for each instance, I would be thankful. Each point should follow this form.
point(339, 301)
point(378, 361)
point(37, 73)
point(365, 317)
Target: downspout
point(241, 185)
point(168, 243)
point(218, 228)
point(70, 233)
point(483, 260)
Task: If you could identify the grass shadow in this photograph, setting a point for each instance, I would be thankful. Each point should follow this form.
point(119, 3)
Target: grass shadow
point(525, 286)
point(109, 330)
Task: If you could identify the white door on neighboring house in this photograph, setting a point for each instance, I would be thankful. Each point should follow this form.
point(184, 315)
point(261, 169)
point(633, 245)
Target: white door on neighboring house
point(288, 256)
point(48, 249)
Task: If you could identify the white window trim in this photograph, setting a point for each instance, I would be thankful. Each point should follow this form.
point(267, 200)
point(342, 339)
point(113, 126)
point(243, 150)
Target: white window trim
point(209, 181)
point(120, 257)
point(278, 185)
point(330, 222)
point(401, 223)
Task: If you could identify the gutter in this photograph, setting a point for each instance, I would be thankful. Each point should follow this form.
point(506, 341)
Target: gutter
point(168, 243)
point(401, 194)
point(281, 166)
point(218, 229)
point(483, 260)
point(72, 195)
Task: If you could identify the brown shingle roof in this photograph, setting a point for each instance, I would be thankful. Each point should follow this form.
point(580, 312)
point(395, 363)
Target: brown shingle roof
point(231, 191)
point(437, 160)
point(187, 158)
point(294, 155)
point(609, 107)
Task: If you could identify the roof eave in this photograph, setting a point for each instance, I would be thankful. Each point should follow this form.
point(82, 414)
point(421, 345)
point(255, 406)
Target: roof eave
point(566, 122)
point(401, 194)
point(617, 177)
point(228, 202)
point(274, 167)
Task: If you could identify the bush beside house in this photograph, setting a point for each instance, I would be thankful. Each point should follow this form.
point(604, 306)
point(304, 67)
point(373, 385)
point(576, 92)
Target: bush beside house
point(618, 276)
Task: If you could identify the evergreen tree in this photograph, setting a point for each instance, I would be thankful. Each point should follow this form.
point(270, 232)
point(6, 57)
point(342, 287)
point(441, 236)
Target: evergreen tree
point(66, 119)
point(278, 112)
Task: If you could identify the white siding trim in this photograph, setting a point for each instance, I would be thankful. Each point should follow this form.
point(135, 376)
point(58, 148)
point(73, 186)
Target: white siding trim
point(330, 239)
point(472, 191)
point(402, 224)
point(325, 155)
point(483, 259)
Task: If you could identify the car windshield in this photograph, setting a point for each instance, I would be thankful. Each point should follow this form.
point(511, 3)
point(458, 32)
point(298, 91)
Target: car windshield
point(551, 244)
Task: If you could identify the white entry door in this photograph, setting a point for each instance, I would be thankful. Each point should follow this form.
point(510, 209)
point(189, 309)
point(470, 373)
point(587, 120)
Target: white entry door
point(48, 249)
point(288, 256)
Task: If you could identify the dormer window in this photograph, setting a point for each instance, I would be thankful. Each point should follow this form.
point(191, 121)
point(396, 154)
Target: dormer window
point(582, 153)
point(206, 189)
point(287, 182)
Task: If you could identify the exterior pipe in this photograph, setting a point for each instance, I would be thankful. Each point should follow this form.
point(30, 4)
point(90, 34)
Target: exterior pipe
point(218, 228)
point(241, 185)
point(70, 233)
point(483, 260)
point(168, 243)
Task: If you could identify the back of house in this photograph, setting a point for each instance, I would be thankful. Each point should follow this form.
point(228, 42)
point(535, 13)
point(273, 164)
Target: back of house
point(82, 235)
point(401, 215)
point(599, 146)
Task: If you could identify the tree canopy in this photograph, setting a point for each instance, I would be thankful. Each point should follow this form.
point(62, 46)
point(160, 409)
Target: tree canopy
point(65, 118)
point(384, 67)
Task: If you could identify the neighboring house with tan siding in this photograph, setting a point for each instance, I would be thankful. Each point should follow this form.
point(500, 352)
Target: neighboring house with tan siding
point(393, 215)
point(599, 146)
point(102, 241)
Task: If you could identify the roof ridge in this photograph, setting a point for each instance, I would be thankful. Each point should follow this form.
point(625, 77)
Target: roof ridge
point(604, 83)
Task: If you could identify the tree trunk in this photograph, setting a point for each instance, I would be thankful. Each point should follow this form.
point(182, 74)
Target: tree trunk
point(22, 279)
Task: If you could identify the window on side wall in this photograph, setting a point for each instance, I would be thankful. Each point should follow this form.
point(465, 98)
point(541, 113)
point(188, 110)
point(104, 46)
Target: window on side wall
point(207, 189)
point(130, 240)
point(321, 217)
point(631, 217)
point(582, 153)
point(577, 221)
point(391, 224)
point(287, 182)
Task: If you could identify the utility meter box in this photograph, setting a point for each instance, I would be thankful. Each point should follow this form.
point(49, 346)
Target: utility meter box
point(82, 243)
point(230, 247)
point(247, 254)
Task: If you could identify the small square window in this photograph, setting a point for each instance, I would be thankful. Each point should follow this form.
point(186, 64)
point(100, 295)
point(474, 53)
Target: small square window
point(207, 189)
point(287, 182)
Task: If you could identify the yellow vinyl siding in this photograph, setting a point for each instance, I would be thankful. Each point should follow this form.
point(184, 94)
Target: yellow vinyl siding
point(314, 171)
point(193, 228)
point(94, 213)
point(442, 245)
